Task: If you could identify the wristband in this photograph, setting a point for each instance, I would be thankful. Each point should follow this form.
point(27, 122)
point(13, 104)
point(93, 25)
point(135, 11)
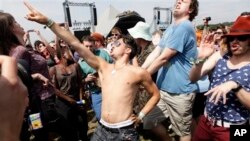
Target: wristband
point(141, 116)
point(50, 23)
point(197, 61)
point(236, 90)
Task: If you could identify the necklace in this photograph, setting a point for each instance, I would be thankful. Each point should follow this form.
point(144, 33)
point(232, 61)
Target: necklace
point(114, 69)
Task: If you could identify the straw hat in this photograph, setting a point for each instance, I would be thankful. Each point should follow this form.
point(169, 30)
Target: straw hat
point(240, 27)
point(141, 30)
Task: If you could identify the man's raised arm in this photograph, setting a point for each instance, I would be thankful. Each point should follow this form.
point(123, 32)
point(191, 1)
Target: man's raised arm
point(67, 36)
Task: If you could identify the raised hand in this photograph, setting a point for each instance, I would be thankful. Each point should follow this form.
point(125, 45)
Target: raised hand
point(206, 48)
point(35, 15)
point(26, 37)
point(65, 35)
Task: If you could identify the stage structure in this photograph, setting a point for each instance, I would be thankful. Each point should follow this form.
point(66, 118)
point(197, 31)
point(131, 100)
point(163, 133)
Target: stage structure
point(80, 17)
point(162, 18)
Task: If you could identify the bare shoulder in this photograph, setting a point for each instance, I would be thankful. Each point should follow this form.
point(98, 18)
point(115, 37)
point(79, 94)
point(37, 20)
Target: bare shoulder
point(103, 63)
point(140, 71)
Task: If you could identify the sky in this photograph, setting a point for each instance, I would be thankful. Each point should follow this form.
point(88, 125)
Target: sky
point(219, 10)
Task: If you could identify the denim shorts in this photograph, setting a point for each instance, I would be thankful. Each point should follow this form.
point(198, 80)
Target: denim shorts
point(104, 133)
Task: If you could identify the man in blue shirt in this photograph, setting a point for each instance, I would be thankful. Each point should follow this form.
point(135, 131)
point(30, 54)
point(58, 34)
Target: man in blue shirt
point(172, 57)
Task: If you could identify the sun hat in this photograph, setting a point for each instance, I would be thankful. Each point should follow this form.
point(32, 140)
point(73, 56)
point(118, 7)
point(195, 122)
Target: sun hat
point(240, 27)
point(141, 30)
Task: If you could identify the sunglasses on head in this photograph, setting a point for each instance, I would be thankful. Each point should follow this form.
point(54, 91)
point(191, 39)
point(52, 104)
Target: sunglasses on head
point(239, 38)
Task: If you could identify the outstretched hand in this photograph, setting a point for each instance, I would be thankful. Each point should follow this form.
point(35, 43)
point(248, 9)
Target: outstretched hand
point(221, 91)
point(35, 15)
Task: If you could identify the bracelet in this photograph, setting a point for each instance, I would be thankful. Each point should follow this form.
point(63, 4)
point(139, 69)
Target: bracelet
point(50, 23)
point(197, 61)
point(141, 116)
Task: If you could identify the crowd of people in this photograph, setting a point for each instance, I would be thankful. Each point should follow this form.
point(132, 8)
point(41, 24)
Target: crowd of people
point(179, 84)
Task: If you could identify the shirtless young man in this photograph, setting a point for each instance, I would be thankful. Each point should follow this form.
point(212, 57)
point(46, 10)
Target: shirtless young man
point(120, 82)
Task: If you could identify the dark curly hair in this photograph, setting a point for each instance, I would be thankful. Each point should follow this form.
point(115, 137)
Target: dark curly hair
point(130, 42)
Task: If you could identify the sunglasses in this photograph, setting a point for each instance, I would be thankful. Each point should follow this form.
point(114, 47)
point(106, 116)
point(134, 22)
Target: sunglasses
point(239, 38)
point(115, 34)
point(116, 44)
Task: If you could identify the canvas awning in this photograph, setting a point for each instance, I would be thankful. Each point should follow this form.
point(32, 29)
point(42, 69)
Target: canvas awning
point(107, 20)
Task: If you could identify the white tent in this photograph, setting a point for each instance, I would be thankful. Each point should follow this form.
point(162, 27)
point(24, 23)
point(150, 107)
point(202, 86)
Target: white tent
point(107, 20)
